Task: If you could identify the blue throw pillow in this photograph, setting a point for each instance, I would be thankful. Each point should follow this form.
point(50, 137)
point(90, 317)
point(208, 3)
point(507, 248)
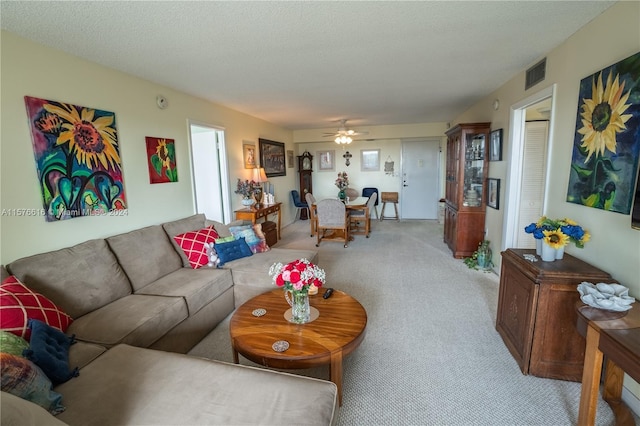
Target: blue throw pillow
point(49, 350)
point(232, 250)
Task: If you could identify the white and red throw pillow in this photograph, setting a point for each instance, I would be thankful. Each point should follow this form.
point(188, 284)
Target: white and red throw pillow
point(193, 245)
point(18, 304)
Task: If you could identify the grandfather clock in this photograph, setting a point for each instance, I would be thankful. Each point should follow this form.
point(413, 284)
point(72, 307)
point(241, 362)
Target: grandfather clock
point(305, 168)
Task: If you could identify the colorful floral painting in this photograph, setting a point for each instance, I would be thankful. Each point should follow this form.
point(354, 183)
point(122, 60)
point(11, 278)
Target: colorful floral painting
point(607, 139)
point(161, 155)
point(78, 159)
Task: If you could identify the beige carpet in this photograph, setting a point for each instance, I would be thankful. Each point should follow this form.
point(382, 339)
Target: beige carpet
point(431, 355)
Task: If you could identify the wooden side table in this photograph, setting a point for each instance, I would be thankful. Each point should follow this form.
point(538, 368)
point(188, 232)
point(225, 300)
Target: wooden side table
point(536, 313)
point(254, 213)
point(616, 335)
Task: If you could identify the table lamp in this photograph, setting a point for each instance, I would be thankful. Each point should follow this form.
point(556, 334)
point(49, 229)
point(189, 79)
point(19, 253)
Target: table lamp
point(260, 177)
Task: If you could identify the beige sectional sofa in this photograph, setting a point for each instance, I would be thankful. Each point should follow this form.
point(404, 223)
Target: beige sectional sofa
point(137, 290)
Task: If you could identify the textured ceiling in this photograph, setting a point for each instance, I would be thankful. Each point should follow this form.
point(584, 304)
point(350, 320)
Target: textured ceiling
point(308, 64)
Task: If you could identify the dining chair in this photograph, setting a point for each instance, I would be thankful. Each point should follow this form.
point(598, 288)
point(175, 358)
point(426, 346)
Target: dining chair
point(297, 202)
point(333, 221)
point(352, 194)
point(311, 202)
point(366, 192)
point(364, 216)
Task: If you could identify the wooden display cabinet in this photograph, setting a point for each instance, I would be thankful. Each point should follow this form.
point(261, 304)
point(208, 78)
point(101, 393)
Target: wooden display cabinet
point(465, 187)
point(536, 313)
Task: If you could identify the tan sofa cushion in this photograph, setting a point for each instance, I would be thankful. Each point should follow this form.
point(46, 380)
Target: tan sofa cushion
point(15, 411)
point(136, 319)
point(145, 255)
point(79, 279)
point(82, 353)
point(197, 286)
point(145, 386)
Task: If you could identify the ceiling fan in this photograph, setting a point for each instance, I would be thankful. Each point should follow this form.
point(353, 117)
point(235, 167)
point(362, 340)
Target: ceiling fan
point(344, 135)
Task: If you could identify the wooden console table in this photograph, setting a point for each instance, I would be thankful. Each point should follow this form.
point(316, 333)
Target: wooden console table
point(536, 312)
point(254, 213)
point(615, 335)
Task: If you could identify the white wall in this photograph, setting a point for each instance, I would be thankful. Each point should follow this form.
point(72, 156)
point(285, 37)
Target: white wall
point(34, 70)
point(609, 38)
point(386, 138)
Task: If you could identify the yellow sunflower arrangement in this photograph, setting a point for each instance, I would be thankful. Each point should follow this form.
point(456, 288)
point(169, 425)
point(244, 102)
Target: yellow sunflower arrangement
point(555, 238)
point(558, 232)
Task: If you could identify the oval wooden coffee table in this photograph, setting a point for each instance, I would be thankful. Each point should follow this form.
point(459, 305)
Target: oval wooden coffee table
point(336, 332)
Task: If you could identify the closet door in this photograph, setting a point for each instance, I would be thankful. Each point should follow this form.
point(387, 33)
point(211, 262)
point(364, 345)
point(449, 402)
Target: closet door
point(534, 172)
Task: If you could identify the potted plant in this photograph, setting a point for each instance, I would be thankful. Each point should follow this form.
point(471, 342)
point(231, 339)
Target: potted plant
point(481, 258)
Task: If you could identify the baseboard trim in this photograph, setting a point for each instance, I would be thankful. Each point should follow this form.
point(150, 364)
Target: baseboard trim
point(631, 400)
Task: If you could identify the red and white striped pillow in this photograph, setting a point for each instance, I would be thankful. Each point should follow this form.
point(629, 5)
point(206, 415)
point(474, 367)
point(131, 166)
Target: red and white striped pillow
point(18, 304)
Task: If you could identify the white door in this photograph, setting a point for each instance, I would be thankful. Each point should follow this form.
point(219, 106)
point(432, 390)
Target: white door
point(519, 172)
point(420, 179)
point(532, 186)
point(210, 177)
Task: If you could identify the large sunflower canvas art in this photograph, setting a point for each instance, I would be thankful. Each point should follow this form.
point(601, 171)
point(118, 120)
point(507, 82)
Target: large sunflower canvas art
point(607, 138)
point(78, 159)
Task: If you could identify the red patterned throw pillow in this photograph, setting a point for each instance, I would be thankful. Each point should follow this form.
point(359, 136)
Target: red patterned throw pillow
point(192, 243)
point(18, 304)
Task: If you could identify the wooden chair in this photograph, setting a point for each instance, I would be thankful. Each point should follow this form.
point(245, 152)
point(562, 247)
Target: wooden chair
point(364, 217)
point(333, 221)
point(352, 194)
point(311, 202)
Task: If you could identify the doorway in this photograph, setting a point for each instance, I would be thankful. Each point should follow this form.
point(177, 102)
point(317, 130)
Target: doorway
point(210, 174)
point(420, 179)
point(527, 177)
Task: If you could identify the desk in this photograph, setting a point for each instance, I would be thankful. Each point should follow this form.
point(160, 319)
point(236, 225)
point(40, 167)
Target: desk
point(616, 335)
point(254, 213)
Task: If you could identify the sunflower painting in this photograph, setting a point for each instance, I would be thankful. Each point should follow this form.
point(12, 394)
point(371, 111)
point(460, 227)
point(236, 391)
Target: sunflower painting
point(78, 159)
point(161, 155)
point(607, 138)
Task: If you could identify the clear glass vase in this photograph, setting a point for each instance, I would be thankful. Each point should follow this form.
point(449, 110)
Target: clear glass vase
point(485, 256)
point(299, 302)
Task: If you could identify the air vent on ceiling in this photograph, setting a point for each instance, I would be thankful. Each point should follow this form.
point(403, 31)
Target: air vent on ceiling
point(535, 74)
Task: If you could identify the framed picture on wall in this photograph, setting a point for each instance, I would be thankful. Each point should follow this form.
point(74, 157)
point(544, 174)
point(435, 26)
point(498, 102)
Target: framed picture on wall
point(326, 160)
point(493, 193)
point(249, 154)
point(272, 158)
point(289, 158)
point(369, 160)
point(495, 145)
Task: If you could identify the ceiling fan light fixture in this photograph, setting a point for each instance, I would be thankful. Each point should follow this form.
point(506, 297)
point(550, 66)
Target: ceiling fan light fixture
point(343, 140)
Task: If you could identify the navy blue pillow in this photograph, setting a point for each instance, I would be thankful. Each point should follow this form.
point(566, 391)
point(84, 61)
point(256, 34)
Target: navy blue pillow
point(49, 350)
point(232, 250)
